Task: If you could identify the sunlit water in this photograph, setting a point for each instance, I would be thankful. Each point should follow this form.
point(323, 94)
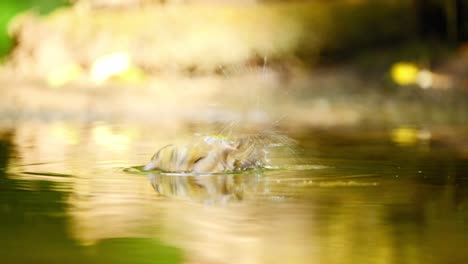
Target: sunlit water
point(73, 193)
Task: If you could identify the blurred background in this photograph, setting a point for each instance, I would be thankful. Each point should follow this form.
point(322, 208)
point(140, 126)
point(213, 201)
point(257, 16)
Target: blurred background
point(374, 93)
point(340, 62)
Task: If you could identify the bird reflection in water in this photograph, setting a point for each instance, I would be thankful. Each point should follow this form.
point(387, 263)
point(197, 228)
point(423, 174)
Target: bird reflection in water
point(208, 188)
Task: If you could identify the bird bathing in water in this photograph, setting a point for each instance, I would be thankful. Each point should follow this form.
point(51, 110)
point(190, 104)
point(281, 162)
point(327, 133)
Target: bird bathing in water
point(216, 154)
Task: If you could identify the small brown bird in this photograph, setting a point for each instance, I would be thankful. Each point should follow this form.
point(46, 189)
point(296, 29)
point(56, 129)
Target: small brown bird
point(213, 154)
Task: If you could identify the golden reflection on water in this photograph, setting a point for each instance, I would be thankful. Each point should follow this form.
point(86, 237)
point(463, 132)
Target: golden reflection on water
point(245, 232)
point(302, 216)
point(103, 207)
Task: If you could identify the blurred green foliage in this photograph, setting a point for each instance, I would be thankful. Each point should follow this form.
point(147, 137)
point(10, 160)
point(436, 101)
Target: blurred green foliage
point(9, 8)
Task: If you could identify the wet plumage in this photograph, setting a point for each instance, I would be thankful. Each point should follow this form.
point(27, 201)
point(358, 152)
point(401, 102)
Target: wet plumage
point(213, 154)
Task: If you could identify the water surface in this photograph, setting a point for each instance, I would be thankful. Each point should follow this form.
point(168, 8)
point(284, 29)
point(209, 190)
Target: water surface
point(70, 193)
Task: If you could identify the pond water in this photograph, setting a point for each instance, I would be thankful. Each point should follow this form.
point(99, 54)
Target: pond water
point(70, 193)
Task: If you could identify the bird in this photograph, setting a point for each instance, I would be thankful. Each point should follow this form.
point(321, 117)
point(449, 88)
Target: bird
point(214, 154)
